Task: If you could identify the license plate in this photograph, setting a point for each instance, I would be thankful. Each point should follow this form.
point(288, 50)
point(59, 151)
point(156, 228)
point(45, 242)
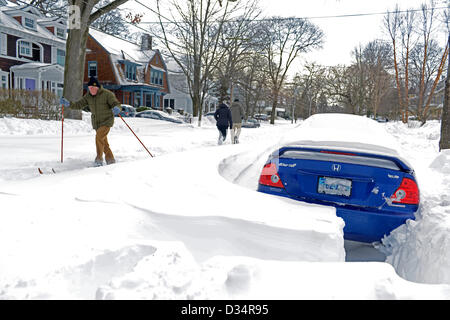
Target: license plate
point(334, 186)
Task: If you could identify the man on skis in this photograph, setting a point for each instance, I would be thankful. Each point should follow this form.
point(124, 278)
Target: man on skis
point(103, 105)
point(237, 114)
point(224, 120)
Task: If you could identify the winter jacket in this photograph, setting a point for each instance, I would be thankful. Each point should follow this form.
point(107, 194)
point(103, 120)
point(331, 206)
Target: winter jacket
point(100, 106)
point(223, 116)
point(237, 112)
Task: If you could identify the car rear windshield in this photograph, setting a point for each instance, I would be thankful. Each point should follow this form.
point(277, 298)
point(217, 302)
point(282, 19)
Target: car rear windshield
point(353, 159)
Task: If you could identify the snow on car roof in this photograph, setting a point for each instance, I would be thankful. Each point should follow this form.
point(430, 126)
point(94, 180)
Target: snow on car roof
point(345, 132)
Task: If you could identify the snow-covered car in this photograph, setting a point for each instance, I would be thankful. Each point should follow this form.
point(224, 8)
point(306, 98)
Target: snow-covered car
point(127, 111)
point(157, 115)
point(261, 116)
point(250, 123)
point(351, 163)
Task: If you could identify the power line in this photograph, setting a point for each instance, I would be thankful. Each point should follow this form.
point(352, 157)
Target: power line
point(303, 18)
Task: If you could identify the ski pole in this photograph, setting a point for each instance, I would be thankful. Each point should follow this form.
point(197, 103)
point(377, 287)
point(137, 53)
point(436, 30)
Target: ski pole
point(62, 132)
point(135, 135)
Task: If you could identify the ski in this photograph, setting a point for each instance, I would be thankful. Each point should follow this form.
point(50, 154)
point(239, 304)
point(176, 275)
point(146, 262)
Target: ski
point(42, 172)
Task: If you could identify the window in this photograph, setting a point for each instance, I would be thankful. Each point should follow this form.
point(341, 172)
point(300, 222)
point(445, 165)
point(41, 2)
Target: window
point(29, 23)
point(156, 77)
point(4, 82)
point(92, 69)
point(60, 57)
point(130, 71)
point(60, 33)
point(25, 48)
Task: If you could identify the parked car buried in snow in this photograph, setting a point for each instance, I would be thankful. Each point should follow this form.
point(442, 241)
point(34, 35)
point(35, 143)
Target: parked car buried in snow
point(250, 123)
point(127, 111)
point(157, 115)
point(351, 163)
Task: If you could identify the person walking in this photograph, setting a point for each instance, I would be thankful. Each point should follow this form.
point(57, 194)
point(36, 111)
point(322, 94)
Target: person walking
point(103, 105)
point(224, 120)
point(237, 114)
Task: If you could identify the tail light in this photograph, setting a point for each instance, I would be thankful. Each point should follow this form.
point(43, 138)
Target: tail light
point(269, 176)
point(407, 193)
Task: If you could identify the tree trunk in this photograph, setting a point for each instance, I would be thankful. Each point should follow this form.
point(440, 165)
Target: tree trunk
point(438, 76)
point(74, 68)
point(274, 106)
point(399, 90)
point(444, 143)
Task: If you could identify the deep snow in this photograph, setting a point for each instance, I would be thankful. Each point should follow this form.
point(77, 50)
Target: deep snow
point(188, 224)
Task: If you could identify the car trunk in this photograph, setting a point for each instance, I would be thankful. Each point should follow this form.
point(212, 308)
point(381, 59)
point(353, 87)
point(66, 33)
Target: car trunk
point(343, 178)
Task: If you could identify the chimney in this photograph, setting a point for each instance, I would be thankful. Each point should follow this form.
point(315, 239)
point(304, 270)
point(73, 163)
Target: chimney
point(146, 42)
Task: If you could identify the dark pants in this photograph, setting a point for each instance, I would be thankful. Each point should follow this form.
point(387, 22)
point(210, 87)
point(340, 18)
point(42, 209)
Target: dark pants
point(223, 131)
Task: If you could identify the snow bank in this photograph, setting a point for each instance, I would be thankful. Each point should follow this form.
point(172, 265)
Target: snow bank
point(171, 273)
point(420, 249)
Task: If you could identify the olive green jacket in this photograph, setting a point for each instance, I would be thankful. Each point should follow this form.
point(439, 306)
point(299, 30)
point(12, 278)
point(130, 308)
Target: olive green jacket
point(101, 107)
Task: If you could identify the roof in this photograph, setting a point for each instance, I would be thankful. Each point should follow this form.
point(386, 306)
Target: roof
point(119, 50)
point(35, 65)
point(9, 22)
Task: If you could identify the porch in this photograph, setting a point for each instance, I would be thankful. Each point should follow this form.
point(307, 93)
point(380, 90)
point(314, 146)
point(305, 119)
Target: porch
point(38, 76)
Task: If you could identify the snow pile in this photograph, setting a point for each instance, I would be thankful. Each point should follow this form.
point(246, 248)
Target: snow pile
point(174, 227)
point(14, 126)
point(173, 274)
point(420, 249)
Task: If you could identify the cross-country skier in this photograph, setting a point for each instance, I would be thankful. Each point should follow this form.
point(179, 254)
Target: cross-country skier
point(224, 120)
point(103, 105)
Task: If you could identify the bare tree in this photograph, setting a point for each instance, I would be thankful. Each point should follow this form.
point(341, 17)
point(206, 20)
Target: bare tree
point(190, 32)
point(236, 44)
point(112, 22)
point(392, 24)
point(50, 7)
point(427, 19)
point(283, 40)
point(406, 30)
point(376, 59)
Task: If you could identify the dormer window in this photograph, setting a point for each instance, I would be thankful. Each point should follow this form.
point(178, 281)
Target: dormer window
point(61, 33)
point(130, 69)
point(29, 23)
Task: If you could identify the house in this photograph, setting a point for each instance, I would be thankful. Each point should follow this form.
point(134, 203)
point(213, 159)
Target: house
point(32, 49)
point(179, 97)
point(136, 74)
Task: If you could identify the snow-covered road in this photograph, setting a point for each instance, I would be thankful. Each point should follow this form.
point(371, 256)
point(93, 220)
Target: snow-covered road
point(188, 223)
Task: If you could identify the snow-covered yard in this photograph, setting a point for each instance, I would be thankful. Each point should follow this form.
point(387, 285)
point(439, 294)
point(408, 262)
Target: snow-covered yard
point(188, 223)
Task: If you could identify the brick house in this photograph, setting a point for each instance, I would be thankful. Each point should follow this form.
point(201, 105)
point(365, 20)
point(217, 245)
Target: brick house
point(136, 74)
point(32, 49)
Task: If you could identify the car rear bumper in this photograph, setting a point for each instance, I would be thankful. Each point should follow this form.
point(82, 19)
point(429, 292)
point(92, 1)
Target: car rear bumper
point(366, 226)
point(360, 225)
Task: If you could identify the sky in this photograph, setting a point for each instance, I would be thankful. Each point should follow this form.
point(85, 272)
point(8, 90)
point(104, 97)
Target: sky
point(342, 34)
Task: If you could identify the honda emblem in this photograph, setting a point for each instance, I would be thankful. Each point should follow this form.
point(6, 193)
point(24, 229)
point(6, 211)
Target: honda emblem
point(336, 167)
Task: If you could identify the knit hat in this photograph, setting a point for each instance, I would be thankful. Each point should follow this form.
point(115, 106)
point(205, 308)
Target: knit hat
point(93, 82)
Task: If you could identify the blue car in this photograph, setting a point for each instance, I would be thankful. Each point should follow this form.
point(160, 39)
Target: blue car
point(373, 189)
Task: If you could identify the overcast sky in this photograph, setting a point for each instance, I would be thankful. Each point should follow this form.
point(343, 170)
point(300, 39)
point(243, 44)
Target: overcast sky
point(342, 34)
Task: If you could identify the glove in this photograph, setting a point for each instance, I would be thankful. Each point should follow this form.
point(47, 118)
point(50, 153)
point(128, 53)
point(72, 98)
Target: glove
point(116, 110)
point(64, 102)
